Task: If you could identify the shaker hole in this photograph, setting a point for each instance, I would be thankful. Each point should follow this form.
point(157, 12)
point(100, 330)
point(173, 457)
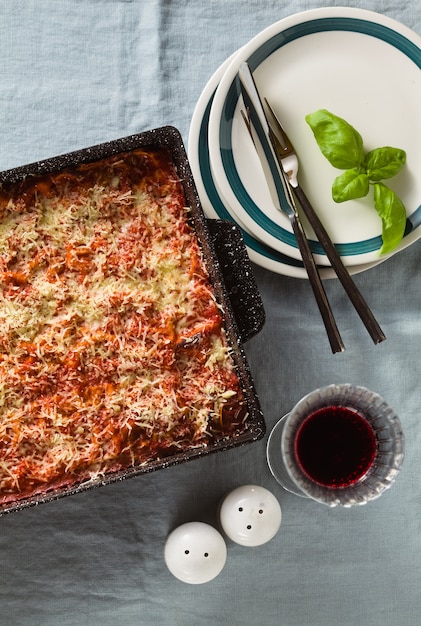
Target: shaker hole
point(249, 527)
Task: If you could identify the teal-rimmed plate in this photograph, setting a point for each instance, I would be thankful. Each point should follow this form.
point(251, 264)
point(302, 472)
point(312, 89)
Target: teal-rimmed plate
point(360, 65)
point(214, 206)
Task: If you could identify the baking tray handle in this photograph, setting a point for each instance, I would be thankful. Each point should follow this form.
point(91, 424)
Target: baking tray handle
point(239, 279)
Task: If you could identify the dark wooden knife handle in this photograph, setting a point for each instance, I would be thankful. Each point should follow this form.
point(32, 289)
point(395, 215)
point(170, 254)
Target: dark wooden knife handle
point(315, 281)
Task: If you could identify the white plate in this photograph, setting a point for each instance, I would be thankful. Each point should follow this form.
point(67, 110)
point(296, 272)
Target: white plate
point(361, 66)
point(213, 205)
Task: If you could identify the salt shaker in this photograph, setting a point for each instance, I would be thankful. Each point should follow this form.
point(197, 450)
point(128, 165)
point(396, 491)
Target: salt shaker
point(250, 515)
point(195, 553)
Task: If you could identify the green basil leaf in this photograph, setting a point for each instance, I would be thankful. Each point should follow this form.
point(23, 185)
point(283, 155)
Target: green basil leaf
point(349, 185)
point(393, 215)
point(338, 141)
point(384, 162)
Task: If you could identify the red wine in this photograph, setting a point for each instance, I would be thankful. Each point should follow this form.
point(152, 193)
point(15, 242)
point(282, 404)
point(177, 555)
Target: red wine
point(335, 446)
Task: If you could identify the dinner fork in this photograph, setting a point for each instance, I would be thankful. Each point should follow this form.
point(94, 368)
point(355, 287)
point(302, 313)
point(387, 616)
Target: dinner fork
point(288, 160)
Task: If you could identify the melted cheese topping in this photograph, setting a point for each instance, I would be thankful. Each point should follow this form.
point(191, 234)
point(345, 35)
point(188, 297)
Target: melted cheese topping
point(112, 351)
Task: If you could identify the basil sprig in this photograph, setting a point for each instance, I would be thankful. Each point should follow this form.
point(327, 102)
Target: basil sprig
point(343, 147)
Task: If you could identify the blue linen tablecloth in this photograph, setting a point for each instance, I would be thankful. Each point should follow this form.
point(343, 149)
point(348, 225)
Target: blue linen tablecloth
point(74, 73)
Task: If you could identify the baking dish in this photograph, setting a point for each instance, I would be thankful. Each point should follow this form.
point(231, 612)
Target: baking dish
point(231, 278)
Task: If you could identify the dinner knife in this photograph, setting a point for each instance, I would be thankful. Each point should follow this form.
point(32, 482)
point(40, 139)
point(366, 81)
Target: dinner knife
point(281, 195)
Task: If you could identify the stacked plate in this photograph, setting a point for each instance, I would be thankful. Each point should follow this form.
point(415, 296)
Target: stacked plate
point(361, 66)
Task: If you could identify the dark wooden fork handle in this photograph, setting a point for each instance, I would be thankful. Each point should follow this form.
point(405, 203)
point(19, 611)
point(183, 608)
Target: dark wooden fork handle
point(342, 273)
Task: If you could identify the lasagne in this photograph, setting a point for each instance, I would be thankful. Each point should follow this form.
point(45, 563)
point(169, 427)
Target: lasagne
point(112, 347)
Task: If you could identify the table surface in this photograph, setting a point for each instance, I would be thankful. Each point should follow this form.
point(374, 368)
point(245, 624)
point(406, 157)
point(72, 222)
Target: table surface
point(78, 72)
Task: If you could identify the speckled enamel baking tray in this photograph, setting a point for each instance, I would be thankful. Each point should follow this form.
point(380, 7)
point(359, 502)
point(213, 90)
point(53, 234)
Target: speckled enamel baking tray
point(231, 276)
